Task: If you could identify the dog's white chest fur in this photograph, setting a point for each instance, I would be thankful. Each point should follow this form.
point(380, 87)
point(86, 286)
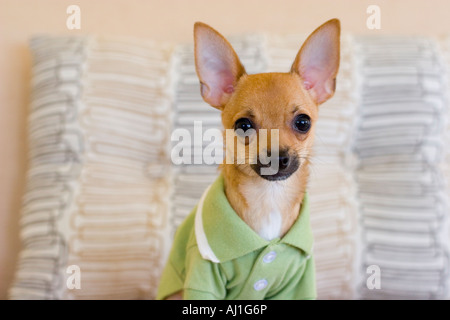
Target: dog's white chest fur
point(266, 203)
point(271, 227)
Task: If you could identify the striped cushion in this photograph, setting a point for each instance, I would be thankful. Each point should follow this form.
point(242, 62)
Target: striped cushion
point(98, 185)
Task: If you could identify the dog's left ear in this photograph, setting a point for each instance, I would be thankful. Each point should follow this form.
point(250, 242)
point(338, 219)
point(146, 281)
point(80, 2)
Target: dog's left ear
point(317, 62)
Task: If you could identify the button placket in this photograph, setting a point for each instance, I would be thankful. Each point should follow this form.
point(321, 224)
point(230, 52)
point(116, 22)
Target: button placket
point(262, 284)
point(260, 279)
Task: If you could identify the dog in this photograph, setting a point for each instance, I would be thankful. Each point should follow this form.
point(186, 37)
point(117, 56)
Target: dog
point(249, 236)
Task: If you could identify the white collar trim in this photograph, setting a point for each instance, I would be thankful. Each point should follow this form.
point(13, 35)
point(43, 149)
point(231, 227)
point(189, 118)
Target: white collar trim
point(202, 242)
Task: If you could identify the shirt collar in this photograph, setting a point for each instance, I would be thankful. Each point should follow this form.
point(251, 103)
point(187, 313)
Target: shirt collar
point(222, 235)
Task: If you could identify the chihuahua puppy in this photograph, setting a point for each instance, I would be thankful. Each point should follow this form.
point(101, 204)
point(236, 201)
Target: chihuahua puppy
point(249, 236)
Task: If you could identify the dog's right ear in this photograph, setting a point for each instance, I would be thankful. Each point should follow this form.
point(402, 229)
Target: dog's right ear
point(217, 64)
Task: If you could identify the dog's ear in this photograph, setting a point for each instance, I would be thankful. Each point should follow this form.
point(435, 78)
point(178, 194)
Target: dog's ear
point(317, 62)
point(218, 66)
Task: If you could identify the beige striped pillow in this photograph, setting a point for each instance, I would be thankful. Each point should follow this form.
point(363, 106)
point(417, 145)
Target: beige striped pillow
point(98, 180)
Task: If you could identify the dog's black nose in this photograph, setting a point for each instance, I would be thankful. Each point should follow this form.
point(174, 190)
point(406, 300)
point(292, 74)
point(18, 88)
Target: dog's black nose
point(283, 161)
point(281, 169)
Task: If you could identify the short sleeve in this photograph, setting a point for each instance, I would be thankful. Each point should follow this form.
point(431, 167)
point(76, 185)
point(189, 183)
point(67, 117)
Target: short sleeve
point(307, 285)
point(172, 278)
point(204, 278)
point(171, 282)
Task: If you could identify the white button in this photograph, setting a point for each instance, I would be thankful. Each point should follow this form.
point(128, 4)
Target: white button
point(268, 258)
point(260, 284)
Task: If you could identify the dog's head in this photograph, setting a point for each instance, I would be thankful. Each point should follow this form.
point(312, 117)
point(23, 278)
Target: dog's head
point(272, 115)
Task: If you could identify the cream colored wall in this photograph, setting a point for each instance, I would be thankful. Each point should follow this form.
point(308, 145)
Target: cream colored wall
point(170, 20)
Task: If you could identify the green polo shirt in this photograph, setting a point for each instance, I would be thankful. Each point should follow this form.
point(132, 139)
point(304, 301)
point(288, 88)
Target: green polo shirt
point(216, 255)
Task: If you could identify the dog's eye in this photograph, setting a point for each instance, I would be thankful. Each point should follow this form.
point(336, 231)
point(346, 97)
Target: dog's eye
point(302, 123)
point(244, 124)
